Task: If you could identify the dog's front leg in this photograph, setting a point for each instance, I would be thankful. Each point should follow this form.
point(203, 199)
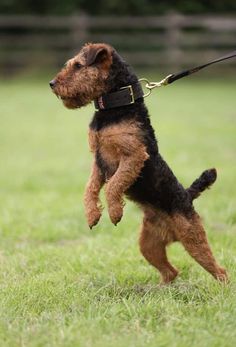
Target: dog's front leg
point(128, 170)
point(93, 208)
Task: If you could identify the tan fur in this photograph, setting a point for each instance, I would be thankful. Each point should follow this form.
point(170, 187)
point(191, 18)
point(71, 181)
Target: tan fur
point(92, 203)
point(193, 237)
point(160, 229)
point(156, 233)
point(121, 149)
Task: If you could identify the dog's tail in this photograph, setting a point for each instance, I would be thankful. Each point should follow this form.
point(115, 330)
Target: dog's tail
point(206, 179)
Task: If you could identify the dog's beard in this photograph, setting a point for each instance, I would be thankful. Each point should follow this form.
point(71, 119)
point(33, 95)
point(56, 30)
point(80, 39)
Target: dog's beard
point(72, 102)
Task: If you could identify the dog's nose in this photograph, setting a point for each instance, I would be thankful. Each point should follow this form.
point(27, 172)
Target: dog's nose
point(52, 83)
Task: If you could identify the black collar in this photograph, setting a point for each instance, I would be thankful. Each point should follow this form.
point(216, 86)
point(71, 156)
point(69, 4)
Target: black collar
point(125, 96)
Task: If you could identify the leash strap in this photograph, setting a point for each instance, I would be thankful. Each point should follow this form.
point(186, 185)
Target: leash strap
point(174, 77)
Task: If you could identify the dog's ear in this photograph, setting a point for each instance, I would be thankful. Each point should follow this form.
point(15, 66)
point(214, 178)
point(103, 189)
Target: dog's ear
point(96, 55)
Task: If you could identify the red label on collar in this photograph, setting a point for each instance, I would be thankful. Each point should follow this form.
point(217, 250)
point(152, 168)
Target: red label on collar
point(100, 103)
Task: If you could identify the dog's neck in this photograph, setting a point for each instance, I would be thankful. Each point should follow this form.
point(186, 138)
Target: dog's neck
point(120, 75)
point(106, 117)
point(123, 87)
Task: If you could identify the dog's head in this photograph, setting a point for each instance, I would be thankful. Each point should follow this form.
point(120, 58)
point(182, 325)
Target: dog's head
point(84, 77)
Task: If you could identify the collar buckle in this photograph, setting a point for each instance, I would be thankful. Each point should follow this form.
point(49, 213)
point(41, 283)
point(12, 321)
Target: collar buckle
point(130, 88)
point(124, 96)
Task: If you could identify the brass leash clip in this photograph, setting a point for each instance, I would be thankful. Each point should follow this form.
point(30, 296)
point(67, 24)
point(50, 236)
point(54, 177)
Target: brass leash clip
point(151, 85)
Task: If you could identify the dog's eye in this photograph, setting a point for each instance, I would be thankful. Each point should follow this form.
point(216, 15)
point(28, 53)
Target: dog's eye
point(77, 65)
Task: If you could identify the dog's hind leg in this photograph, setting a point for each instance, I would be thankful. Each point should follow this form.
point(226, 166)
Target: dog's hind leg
point(191, 234)
point(153, 241)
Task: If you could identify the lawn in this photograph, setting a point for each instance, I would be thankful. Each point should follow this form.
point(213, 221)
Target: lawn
point(64, 285)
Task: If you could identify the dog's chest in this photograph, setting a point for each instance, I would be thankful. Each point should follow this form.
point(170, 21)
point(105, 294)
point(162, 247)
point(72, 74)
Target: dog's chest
point(111, 143)
point(107, 154)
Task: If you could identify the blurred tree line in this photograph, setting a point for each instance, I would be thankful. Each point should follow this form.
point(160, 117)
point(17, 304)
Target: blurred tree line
point(115, 7)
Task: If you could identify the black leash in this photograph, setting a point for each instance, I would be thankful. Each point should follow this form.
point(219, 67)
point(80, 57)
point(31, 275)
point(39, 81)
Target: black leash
point(129, 94)
point(176, 76)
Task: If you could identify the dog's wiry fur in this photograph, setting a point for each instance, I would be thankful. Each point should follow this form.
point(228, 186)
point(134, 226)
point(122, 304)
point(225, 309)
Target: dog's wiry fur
point(128, 162)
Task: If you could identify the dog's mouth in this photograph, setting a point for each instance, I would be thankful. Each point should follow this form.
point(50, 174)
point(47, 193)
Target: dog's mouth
point(71, 101)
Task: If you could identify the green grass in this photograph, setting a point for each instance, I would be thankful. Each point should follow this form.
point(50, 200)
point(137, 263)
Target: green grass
point(63, 285)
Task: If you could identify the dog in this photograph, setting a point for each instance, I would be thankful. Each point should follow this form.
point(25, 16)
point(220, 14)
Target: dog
point(127, 160)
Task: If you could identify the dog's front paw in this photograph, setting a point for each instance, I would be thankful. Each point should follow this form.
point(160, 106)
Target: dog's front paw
point(115, 212)
point(222, 276)
point(93, 217)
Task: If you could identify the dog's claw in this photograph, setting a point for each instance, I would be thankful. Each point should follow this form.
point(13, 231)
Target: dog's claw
point(115, 221)
point(93, 219)
point(115, 213)
point(93, 224)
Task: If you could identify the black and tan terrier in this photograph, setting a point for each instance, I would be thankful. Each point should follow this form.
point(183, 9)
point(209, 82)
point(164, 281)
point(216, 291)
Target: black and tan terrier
point(128, 162)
